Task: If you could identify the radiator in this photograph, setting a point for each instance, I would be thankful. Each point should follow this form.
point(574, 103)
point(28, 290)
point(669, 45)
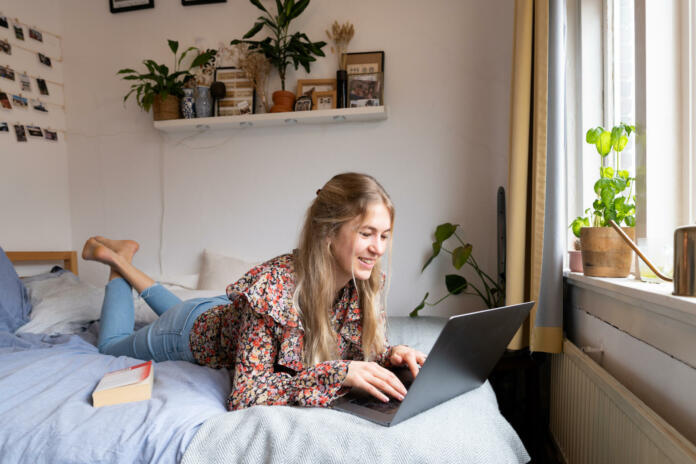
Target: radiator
point(595, 419)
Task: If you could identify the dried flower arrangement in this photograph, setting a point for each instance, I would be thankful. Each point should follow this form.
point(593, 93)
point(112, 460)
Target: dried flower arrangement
point(203, 75)
point(256, 67)
point(341, 35)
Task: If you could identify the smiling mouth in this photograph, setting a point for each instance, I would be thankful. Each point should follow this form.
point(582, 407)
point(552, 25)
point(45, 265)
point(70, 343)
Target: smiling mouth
point(367, 261)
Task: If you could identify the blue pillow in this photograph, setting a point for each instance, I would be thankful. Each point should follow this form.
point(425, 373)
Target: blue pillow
point(15, 304)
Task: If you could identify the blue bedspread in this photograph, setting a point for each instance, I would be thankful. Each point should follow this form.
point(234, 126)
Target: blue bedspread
point(46, 407)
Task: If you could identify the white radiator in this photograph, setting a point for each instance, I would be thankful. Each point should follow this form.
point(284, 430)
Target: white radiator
point(595, 419)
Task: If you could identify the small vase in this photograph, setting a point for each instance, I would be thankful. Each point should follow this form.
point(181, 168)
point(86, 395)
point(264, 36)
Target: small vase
point(341, 89)
point(204, 102)
point(187, 109)
point(260, 102)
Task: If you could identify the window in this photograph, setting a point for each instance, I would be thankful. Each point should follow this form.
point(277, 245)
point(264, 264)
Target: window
point(634, 61)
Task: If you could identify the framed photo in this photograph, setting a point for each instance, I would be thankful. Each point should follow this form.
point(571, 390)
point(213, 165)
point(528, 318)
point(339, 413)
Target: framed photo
point(4, 23)
point(364, 62)
point(19, 32)
point(200, 2)
point(365, 90)
point(309, 86)
point(325, 100)
point(240, 97)
point(3, 127)
point(120, 6)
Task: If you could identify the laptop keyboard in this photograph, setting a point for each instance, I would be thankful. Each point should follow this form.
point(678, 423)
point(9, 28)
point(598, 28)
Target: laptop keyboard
point(377, 405)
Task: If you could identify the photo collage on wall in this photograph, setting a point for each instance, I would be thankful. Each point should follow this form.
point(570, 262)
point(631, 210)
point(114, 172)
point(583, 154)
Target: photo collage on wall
point(22, 81)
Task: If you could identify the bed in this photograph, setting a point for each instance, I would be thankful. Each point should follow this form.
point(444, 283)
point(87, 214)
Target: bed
point(49, 367)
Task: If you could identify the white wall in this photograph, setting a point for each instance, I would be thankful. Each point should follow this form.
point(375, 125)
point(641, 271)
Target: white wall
point(441, 154)
point(34, 199)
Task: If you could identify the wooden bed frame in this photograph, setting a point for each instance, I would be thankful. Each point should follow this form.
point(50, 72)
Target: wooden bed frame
point(69, 258)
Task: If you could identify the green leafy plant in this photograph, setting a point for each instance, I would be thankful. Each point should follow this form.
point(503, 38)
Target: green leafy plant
point(159, 80)
point(491, 292)
point(609, 204)
point(282, 48)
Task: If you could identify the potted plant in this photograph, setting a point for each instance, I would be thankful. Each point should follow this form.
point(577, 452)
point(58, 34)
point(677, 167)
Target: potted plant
point(489, 290)
point(604, 253)
point(281, 48)
point(158, 87)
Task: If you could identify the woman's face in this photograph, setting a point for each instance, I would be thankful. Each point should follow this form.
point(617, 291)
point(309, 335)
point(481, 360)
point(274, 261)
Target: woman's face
point(359, 243)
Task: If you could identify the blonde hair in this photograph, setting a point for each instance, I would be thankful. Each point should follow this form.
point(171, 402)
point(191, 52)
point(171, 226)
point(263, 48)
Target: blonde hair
point(345, 197)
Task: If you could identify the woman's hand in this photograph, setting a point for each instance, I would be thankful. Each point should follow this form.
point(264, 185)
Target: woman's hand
point(374, 379)
point(405, 355)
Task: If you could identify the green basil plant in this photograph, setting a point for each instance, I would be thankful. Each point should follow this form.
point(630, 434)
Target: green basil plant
point(611, 202)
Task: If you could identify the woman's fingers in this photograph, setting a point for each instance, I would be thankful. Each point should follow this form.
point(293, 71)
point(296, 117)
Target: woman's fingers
point(410, 359)
point(388, 378)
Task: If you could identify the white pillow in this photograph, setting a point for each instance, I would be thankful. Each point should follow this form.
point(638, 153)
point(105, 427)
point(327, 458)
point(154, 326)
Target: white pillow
point(62, 304)
point(218, 271)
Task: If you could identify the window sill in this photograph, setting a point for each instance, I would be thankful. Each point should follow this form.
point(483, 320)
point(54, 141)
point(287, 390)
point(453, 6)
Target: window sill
point(647, 311)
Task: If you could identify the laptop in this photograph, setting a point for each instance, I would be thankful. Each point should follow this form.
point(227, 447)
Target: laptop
point(464, 354)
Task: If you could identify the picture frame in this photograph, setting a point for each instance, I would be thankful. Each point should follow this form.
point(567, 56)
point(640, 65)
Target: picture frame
point(200, 2)
point(364, 62)
point(325, 100)
point(309, 86)
point(121, 6)
point(365, 90)
point(240, 96)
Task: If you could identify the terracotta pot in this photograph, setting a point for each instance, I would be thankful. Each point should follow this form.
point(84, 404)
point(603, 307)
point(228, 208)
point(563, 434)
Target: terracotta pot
point(604, 252)
point(168, 108)
point(283, 101)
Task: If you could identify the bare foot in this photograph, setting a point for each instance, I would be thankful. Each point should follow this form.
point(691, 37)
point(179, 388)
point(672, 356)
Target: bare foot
point(125, 248)
point(95, 251)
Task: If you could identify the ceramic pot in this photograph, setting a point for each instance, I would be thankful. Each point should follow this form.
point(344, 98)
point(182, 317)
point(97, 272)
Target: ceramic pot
point(187, 109)
point(168, 108)
point(283, 101)
point(204, 102)
point(575, 260)
point(605, 253)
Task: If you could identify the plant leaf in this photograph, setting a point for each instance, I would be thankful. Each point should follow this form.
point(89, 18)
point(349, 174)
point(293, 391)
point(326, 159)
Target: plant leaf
point(455, 283)
point(258, 5)
point(604, 143)
point(414, 313)
point(593, 134)
point(460, 255)
point(173, 45)
point(252, 32)
point(436, 251)
point(444, 231)
point(299, 8)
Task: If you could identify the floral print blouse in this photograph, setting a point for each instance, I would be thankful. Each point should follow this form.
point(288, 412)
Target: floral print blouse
point(260, 335)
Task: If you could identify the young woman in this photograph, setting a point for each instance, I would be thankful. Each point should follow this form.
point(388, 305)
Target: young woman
point(300, 329)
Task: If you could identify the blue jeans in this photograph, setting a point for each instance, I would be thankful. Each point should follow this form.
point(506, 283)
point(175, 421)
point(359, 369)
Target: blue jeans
point(166, 339)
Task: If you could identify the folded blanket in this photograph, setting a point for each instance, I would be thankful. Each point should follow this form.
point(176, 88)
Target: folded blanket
point(468, 429)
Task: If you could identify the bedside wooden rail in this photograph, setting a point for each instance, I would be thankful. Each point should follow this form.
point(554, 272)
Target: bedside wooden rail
point(69, 258)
